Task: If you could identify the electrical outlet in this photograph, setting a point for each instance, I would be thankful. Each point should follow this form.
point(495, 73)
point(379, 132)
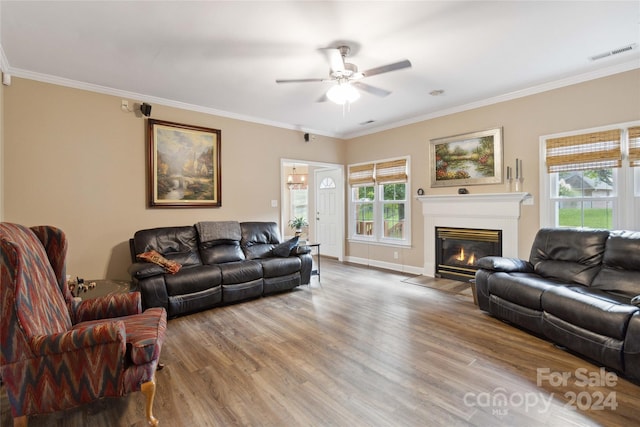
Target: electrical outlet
point(274, 203)
point(395, 255)
point(124, 105)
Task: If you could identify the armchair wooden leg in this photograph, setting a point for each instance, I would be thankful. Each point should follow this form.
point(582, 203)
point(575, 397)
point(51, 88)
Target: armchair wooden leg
point(149, 390)
point(20, 421)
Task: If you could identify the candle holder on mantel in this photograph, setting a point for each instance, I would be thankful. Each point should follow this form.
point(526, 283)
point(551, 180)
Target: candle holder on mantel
point(509, 184)
point(519, 185)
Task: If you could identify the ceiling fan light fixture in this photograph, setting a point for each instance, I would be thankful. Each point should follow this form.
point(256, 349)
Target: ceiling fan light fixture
point(343, 93)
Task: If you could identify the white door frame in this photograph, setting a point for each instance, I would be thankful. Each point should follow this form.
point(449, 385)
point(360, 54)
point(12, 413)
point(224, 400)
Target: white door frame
point(313, 200)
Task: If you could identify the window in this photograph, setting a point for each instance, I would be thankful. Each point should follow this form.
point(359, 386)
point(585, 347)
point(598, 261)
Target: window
point(379, 202)
point(588, 178)
point(299, 203)
point(327, 183)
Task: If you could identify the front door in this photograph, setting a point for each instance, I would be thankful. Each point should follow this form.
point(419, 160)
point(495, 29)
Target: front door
point(329, 211)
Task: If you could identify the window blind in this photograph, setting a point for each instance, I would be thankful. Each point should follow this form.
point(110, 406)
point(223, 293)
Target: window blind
point(634, 146)
point(597, 150)
point(361, 174)
point(391, 171)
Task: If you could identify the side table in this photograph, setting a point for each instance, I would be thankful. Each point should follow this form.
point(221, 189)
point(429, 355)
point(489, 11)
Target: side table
point(102, 287)
point(316, 271)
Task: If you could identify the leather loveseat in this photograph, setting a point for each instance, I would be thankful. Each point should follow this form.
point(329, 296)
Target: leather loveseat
point(217, 262)
point(575, 290)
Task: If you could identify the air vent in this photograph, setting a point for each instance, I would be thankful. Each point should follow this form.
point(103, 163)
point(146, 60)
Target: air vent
point(368, 122)
point(614, 52)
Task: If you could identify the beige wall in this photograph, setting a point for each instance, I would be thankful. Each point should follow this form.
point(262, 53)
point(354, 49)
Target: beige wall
point(1, 152)
point(75, 160)
point(598, 102)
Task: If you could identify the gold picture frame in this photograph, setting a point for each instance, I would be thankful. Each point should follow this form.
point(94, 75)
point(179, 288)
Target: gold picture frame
point(184, 165)
point(468, 159)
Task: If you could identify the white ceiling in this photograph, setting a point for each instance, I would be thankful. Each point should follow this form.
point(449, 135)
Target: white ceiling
point(224, 57)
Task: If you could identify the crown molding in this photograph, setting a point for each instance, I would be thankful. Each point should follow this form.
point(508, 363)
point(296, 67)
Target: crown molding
point(61, 81)
point(533, 90)
point(556, 84)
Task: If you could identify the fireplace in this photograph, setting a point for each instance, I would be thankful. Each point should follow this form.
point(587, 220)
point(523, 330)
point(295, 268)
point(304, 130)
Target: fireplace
point(458, 249)
point(492, 211)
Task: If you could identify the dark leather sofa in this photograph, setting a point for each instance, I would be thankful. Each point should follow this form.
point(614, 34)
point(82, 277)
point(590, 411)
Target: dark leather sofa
point(575, 290)
point(221, 262)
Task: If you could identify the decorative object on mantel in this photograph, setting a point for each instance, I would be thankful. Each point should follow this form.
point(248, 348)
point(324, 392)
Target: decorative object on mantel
point(519, 176)
point(519, 179)
point(463, 190)
point(420, 192)
point(468, 159)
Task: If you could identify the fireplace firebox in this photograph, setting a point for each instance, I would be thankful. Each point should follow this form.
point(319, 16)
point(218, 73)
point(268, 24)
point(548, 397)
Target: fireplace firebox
point(458, 249)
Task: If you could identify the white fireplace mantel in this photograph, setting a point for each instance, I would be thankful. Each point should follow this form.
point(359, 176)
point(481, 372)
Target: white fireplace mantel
point(495, 211)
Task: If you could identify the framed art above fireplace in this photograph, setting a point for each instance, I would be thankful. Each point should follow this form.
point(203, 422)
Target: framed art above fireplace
point(467, 159)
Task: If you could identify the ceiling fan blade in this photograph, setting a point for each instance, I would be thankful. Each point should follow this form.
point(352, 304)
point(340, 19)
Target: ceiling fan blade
point(298, 80)
point(386, 68)
point(336, 62)
point(371, 89)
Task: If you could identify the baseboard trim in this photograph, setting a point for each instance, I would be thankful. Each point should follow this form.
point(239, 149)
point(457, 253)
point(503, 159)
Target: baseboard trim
point(386, 265)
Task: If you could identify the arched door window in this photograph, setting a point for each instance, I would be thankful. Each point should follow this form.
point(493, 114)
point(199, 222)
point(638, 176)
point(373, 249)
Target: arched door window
point(327, 182)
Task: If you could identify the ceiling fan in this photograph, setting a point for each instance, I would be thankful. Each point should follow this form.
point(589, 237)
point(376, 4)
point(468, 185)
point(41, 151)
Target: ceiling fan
point(348, 78)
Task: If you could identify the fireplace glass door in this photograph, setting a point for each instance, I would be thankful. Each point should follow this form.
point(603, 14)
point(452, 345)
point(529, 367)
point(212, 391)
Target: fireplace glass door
point(458, 249)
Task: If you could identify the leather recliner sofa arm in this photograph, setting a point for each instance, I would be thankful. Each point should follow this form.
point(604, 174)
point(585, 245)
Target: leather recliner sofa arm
point(142, 270)
point(504, 264)
point(301, 250)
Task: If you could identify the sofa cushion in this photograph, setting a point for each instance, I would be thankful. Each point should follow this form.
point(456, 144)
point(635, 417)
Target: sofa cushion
point(523, 289)
point(218, 253)
point(193, 279)
point(179, 244)
point(274, 267)
point(259, 238)
point(591, 309)
point(620, 272)
point(240, 272)
point(568, 255)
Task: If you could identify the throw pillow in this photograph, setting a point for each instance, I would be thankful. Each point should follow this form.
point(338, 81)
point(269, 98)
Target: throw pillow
point(156, 258)
point(284, 248)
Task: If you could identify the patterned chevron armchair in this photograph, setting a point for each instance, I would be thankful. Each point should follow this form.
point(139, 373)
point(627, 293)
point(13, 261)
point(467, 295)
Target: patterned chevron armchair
point(58, 353)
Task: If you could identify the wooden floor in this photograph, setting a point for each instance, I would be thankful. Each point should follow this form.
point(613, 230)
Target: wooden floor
point(367, 348)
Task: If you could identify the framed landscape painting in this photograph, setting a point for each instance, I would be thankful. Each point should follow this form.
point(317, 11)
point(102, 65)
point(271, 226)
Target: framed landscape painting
point(184, 165)
point(468, 159)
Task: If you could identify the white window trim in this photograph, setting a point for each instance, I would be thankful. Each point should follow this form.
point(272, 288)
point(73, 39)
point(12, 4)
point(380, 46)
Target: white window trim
point(378, 203)
point(627, 197)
